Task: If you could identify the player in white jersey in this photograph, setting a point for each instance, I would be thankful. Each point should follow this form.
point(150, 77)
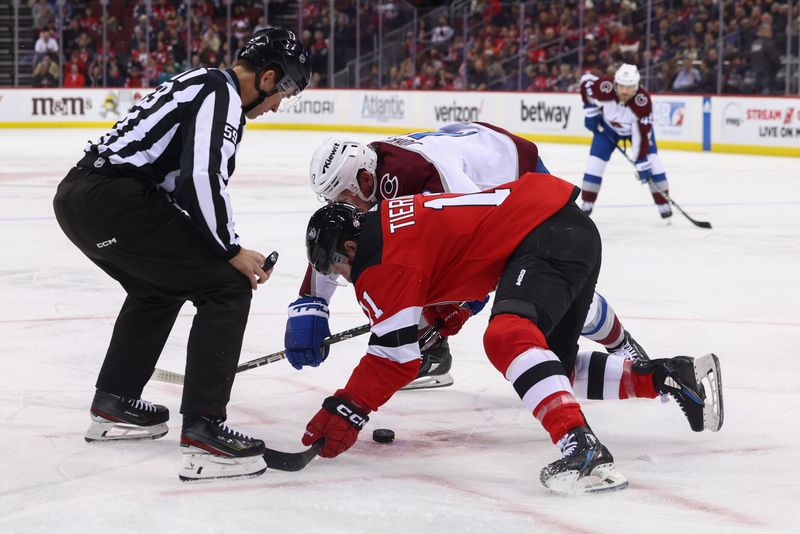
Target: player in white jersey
point(617, 108)
point(457, 158)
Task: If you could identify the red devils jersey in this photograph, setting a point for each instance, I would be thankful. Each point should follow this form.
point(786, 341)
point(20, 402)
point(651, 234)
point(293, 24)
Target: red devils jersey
point(425, 249)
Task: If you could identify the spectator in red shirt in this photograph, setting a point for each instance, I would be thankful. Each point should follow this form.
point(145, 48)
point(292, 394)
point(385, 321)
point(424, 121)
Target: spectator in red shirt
point(540, 79)
point(74, 78)
point(74, 59)
point(89, 22)
point(135, 78)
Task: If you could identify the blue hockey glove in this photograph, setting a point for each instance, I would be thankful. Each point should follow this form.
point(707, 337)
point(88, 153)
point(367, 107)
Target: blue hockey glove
point(475, 306)
point(306, 328)
point(644, 168)
point(592, 117)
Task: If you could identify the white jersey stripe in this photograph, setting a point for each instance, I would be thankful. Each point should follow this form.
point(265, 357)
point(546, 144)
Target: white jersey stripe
point(144, 127)
point(202, 183)
point(144, 157)
point(612, 376)
point(581, 382)
point(526, 360)
point(402, 319)
point(401, 354)
point(544, 388)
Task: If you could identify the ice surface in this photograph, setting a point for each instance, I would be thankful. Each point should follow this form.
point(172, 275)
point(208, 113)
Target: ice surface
point(466, 458)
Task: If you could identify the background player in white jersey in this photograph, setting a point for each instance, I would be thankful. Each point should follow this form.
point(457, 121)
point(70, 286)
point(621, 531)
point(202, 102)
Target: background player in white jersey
point(617, 108)
point(459, 157)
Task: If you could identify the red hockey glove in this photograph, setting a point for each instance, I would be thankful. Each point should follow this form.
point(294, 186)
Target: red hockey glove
point(452, 317)
point(339, 422)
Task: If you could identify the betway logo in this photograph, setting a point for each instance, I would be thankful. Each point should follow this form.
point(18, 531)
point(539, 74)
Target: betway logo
point(457, 113)
point(541, 112)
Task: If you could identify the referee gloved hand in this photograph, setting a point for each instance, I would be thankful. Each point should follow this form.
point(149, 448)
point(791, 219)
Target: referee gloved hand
point(306, 328)
point(338, 423)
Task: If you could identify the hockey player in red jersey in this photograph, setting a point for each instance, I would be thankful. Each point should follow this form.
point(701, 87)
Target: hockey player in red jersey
point(531, 242)
point(457, 158)
point(617, 108)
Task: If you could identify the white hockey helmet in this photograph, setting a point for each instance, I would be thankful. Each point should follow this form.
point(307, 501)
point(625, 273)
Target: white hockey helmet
point(335, 165)
point(627, 75)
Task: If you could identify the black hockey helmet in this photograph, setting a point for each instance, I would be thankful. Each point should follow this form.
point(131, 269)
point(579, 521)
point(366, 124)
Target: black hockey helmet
point(328, 229)
point(276, 47)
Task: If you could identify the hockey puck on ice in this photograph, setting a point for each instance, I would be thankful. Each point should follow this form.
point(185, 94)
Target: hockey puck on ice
point(383, 435)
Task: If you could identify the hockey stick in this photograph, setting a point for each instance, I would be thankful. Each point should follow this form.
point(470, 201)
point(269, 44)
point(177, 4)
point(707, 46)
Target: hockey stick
point(291, 461)
point(295, 461)
point(177, 378)
point(700, 224)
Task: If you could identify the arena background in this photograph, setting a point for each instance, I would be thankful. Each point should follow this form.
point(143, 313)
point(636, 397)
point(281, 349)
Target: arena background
point(407, 65)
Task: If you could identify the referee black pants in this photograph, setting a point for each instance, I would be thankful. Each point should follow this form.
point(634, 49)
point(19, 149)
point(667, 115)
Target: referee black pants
point(128, 228)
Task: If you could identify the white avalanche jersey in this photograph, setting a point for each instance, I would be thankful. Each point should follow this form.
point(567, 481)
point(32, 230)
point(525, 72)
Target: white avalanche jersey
point(633, 119)
point(456, 158)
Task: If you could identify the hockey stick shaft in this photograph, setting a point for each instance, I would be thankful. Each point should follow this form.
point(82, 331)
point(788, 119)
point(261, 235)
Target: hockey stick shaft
point(172, 377)
point(700, 224)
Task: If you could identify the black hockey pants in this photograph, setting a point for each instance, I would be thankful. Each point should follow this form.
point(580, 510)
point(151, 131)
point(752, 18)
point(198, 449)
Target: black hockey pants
point(129, 229)
point(550, 278)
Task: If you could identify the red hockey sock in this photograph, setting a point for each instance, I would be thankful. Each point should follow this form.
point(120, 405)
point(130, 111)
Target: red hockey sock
point(562, 418)
point(634, 385)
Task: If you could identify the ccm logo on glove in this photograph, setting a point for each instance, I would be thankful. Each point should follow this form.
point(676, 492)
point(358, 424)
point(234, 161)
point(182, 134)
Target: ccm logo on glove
point(355, 419)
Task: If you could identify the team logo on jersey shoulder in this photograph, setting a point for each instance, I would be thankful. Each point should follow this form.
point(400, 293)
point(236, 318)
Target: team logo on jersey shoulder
point(606, 86)
point(388, 186)
point(312, 233)
point(230, 133)
point(640, 100)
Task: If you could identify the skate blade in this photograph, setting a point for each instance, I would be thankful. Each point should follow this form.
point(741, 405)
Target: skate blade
point(102, 430)
point(707, 372)
point(602, 478)
point(200, 466)
point(430, 382)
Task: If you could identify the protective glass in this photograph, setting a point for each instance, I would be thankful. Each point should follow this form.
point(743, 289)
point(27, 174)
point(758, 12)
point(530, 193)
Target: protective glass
point(292, 93)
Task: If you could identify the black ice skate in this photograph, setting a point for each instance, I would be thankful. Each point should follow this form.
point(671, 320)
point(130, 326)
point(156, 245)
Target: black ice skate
point(434, 372)
point(212, 450)
point(585, 466)
point(629, 349)
point(122, 418)
point(695, 383)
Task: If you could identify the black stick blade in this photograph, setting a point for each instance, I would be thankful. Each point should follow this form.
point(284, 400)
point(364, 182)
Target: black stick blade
point(291, 461)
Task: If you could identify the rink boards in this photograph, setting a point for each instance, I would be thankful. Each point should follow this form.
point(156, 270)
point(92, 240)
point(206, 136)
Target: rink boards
point(737, 124)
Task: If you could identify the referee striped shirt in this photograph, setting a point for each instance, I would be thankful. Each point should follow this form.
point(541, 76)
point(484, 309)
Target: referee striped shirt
point(183, 136)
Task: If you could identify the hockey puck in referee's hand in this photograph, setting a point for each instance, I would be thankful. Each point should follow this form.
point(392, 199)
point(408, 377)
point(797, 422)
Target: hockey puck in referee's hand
point(383, 435)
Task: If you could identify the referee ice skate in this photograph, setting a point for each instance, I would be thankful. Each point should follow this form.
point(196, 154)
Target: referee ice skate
point(148, 204)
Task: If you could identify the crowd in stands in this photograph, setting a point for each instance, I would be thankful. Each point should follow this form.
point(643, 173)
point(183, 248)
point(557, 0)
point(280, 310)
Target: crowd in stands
point(534, 46)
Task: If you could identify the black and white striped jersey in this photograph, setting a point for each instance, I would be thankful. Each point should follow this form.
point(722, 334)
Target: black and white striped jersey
point(183, 136)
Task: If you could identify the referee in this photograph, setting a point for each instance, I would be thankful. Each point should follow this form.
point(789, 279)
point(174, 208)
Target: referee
point(147, 203)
